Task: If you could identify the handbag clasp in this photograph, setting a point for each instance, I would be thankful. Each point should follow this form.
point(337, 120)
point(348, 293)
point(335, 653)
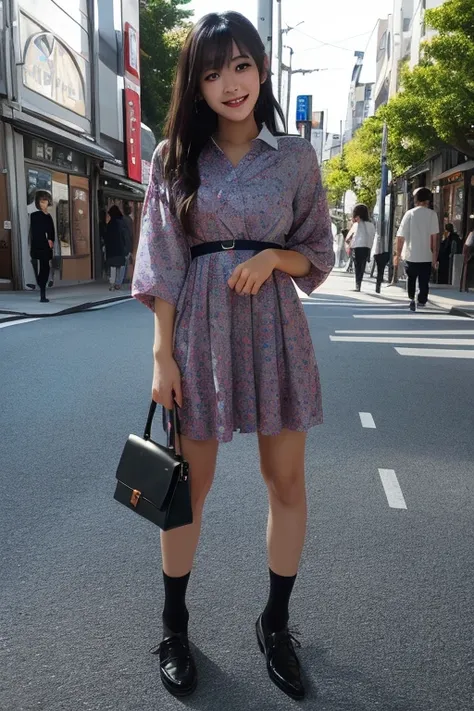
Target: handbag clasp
point(135, 497)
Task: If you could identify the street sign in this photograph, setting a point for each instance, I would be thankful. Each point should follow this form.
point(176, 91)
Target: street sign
point(304, 108)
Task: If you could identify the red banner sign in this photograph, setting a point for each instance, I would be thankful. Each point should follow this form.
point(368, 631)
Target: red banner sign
point(132, 134)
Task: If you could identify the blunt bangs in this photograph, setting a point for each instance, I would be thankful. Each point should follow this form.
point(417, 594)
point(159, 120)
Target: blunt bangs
point(213, 42)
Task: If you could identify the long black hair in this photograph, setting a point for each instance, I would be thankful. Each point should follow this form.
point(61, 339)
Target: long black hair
point(191, 122)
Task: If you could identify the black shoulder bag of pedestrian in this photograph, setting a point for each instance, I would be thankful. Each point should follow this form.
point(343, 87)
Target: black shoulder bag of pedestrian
point(153, 480)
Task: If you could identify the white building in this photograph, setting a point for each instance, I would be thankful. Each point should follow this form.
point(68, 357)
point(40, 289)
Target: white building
point(421, 33)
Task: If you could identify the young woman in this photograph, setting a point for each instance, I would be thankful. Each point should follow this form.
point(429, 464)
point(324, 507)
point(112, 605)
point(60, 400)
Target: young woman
point(42, 237)
point(116, 247)
point(360, 238)
point(232, 212)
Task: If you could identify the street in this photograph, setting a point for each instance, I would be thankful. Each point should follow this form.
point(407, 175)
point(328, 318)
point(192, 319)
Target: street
point(383, 599)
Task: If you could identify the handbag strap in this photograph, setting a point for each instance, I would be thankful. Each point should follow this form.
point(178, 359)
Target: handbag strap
point(170, 425)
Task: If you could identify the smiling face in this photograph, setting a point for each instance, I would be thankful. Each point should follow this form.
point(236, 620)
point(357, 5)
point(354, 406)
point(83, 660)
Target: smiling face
point(233, 90)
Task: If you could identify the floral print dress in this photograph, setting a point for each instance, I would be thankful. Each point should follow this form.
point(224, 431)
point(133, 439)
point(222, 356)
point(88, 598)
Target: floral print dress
point(247, 362)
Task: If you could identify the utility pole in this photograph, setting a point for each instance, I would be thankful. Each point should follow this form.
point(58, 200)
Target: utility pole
point(288, 93)
point(342, 165)
point(265, 26)
point(292, 71)
point(280, 51)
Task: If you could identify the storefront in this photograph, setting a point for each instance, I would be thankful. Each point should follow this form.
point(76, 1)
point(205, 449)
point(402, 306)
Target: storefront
point(455, 189)
point(64, 173)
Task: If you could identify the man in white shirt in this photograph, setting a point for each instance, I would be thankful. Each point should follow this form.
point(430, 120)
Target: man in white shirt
point(417, 244)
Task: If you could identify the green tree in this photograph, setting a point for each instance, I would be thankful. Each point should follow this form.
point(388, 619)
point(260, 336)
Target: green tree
point(163, 29)
point(436, 104)
point(336, 180)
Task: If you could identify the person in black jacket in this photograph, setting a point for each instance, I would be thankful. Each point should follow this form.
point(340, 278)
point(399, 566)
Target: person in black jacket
point(450, 244)
point(116, 246)
point(42, 237)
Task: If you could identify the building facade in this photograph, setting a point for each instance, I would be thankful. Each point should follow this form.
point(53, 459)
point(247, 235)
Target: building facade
point(69, 124)
point(360, 104)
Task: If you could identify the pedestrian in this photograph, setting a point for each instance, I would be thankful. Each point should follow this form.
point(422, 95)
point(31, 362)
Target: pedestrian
point(42, 237)
point(381, 258)
point(234, 211)
point(450, 245)
point(116, 247)
point(360, 239)
point(417, 245)
point(467, 278)
point(128, 222)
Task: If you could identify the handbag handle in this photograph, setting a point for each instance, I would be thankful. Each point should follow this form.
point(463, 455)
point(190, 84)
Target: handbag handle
point(170, 425)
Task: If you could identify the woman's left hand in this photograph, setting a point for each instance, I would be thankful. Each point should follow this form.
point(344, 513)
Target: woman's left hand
point(249, 276)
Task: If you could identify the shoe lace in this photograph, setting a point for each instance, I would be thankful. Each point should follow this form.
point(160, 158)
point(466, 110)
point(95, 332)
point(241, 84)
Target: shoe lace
point(174, 645)
point(288, 636)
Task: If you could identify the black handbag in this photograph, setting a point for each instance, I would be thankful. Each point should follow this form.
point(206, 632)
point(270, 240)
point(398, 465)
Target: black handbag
point(153, 480)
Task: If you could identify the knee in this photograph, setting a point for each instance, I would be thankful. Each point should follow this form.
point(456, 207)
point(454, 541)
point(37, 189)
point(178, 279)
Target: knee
point(288, 489)
point(200, 487)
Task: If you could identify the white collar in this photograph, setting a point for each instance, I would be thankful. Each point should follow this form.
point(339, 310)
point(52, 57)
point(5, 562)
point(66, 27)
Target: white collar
point(268, 137)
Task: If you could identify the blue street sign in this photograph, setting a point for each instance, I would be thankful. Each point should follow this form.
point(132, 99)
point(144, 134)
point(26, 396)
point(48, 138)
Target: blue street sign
point(304, 108)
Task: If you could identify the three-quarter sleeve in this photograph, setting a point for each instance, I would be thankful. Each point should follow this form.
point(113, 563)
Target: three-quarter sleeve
point(311, 232)
point(163, 254)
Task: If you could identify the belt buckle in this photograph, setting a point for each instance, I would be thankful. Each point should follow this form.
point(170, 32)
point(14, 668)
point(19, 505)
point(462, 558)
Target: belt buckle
point(232, 246)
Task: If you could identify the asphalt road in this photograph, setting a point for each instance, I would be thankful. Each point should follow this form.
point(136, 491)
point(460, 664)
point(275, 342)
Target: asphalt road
point(384, 596)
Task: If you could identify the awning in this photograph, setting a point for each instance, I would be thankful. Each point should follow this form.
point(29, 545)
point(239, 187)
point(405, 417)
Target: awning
point(56, 135)
point(122, 187)
point(461, 168)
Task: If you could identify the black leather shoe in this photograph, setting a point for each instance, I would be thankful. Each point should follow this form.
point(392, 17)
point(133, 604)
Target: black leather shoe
point(177, 668)
point(282, 663)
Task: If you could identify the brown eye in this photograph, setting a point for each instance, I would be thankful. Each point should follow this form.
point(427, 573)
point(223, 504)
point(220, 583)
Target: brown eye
point(242, 67)
point(211, 76)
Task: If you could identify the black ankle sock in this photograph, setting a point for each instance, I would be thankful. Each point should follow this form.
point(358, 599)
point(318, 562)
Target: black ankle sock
point(275, 615)
point(175, 613)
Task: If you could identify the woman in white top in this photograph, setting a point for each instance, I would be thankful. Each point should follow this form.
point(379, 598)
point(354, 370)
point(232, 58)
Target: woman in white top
point(360, 238)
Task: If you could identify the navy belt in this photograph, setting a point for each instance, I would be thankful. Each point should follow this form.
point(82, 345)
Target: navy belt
point(251, 244)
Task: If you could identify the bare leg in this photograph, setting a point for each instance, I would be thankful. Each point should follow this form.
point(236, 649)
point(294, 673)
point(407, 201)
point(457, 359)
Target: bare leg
point(179, 545)
point(282, 465)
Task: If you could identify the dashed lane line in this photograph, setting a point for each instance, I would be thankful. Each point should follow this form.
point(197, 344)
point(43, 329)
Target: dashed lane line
point(392, 489)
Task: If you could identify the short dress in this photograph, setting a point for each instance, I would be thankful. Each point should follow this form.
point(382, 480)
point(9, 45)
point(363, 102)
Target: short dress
point(247, 362)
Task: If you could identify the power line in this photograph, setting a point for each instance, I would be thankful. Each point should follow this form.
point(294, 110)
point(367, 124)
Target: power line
point(345, 39)
point(325, 44)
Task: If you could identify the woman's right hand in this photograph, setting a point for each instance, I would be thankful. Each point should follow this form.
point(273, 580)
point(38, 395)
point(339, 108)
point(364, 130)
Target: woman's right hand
point(166, 382)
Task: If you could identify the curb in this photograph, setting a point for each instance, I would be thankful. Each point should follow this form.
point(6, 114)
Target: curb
point(18, 316)
point(456, 311)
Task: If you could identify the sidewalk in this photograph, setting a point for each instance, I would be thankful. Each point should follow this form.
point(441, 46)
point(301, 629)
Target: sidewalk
point(63, 300)
point(443, 297)
point(70, 299)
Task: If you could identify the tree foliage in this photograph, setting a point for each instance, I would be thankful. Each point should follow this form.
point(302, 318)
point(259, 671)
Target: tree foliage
point(434, 108)
point(163, 29)
point(336, 179)
point(436, 104)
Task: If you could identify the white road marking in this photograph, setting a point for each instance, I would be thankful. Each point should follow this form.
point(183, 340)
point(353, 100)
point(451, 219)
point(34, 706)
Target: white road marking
point(17, 323)
point(417, 317)
point(367, 420)
point(436, 353)
point(107, 306)
point(403, 339)
point(392, 489)
point(439, 332)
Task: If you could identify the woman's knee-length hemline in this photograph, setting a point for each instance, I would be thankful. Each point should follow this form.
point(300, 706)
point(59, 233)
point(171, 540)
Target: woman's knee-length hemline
point(247, 362)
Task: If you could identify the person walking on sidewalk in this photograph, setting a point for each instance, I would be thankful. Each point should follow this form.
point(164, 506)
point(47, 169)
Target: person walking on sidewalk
point(234, 211)
point(417, 244)
point(381, 258)
point(42, 237)
point(116, 247)
point(360, 239)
